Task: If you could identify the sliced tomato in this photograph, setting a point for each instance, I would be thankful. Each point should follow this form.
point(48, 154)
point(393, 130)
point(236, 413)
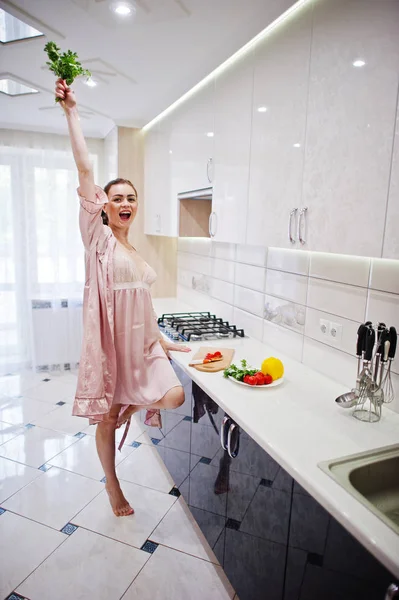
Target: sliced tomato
point(217, 354)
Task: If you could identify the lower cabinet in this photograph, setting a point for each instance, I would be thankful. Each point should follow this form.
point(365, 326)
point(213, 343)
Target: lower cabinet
point(274, 541)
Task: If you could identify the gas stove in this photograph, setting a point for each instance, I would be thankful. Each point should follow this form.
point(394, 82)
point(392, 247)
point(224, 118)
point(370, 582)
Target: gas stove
point(197, 327)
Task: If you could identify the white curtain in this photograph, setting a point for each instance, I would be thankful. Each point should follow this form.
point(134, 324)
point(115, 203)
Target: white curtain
point(41, 253)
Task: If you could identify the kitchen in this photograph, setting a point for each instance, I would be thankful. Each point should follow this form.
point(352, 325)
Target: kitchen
point(275, 208)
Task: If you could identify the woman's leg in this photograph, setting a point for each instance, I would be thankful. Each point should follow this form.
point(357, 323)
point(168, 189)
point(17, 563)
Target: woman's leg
point(105, 440)
point(172, 399)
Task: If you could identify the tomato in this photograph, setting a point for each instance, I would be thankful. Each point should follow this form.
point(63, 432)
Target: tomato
point(217, 354)
point(252, 380)
point(246, 377)
point(268, 379)
point(260, 378)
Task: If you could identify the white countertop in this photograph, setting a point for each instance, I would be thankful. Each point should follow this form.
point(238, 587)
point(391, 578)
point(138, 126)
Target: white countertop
point(299, 425)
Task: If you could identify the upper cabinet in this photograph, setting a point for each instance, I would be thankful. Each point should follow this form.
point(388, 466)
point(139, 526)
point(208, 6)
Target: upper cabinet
point(295, 136)
point(232, 140)
point(391, 240)
point(192, 141)
point(160, 216)
point(350, 124)
point(280, 96)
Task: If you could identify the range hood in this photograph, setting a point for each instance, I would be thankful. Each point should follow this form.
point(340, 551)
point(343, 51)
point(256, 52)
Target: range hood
point(202, 194)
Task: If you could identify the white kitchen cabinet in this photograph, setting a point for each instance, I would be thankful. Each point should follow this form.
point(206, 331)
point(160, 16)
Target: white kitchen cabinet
point(192, 141)
point(391, 239)
point(232, 137)
point(350, 124)
point(160, 213)
point(281, 80)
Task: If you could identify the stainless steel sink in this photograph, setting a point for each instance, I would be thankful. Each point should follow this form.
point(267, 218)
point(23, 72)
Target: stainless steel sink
point(373, 478)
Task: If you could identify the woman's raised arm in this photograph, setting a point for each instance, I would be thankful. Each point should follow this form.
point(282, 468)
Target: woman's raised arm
point(78, 142)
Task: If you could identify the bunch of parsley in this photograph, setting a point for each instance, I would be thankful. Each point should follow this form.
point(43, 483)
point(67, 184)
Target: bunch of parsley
point(65, 65)
point(239, 374)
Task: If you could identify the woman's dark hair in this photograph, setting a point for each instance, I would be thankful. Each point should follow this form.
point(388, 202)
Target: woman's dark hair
point(109, 186)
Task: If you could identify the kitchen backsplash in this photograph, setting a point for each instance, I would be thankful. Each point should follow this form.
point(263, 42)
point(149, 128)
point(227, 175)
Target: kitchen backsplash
point(280, 296)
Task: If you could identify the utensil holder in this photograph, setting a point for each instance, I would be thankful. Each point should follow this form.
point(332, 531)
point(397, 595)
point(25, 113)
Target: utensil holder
point(369, 405)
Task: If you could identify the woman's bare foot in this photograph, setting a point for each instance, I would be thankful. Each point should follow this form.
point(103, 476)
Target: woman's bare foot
point(119, 504)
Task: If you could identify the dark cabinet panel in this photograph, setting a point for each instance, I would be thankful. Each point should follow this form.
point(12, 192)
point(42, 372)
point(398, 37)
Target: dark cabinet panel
point(274, 541)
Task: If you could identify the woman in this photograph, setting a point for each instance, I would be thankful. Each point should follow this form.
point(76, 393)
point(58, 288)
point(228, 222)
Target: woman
point(124, 364)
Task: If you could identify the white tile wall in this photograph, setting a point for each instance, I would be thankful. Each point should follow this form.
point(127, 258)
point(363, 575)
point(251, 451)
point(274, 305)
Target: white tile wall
point(251, 255)
point(279, 296)
point(223, 269)
point(250, 277)
point(292, 261)
point(353, 270)
point(287, 285)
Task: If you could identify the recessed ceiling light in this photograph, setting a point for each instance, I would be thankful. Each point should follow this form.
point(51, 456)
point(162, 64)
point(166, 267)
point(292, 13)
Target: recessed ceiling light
point(90, 82)
point(210, 134)
point(13, 29)
point(15, 88)
point(123, 9)
point(170, 152)
point(297, 145)
point(359, 63)
point(262, 109)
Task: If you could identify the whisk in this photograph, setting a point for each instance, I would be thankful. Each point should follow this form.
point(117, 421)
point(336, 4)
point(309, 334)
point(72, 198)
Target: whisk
point(389, 392)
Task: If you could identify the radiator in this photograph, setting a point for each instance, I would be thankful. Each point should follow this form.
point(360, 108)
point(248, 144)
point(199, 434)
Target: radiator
point(57, 329)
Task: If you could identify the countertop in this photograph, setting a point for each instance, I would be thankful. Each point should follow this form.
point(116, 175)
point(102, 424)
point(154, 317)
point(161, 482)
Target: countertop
point(299, 425)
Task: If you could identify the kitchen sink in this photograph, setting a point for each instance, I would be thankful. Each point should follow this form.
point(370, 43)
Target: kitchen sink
point(373, 478)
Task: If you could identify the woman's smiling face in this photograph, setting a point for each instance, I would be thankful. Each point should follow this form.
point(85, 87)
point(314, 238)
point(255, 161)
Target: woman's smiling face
point(121, 207)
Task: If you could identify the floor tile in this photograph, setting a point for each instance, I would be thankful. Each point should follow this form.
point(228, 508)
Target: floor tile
point(136, 429)
point(17, 384)
point(179, 530)
point(14, 477)
point(145, 467)
point(23, 546)
point(54, 498)
point(36, 446)
point(8, 431)
point(172, 574)
point(20, 411)
point(150, 507)
point(169, 421)
point(53, 391)
point(86, 566)
point(62, 420)
point(83, 458)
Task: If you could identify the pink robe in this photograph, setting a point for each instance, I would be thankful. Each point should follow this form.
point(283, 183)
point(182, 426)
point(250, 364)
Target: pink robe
point(100, 356)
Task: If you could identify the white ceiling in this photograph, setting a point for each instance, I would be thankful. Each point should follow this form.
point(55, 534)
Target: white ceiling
point(146, 64)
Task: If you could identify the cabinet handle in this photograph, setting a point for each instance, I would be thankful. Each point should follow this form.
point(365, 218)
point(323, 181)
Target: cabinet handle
point(302, 225)
point(208, 165)
point(158, 226)
point(292, 215)
point(223, 436)
point(392, 592)
point(211, 232)
point(233, 453)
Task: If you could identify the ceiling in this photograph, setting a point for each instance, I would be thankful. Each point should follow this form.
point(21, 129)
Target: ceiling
point(142, 65)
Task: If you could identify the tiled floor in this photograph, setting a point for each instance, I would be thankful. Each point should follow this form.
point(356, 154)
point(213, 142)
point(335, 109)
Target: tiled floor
point(50, 478)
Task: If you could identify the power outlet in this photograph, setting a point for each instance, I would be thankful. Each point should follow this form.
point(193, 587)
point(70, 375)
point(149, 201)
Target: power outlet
point(325, 327)
point(336, 333)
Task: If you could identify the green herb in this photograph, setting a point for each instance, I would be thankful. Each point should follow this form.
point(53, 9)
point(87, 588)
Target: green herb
point(65, 65)
point(239, 374)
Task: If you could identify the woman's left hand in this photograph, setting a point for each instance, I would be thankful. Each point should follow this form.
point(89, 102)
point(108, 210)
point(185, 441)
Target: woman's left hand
point(170, 347)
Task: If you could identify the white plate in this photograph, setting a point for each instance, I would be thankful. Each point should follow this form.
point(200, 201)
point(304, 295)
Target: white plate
point(262, 387)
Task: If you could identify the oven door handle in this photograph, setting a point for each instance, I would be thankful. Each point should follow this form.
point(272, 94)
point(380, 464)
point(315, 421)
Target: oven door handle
point(233, 453)
point(223, 434)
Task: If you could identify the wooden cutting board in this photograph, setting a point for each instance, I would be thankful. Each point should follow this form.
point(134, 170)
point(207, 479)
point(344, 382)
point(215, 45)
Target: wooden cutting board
point(220, 365)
